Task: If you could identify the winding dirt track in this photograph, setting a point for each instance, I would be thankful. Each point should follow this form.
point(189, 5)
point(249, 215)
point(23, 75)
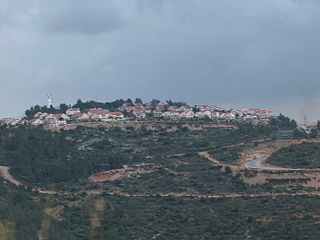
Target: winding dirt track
point(259, 163)
point(182, 194)
point(6, 175)
point(4, 172)
point(217, 196)
point(253, 159)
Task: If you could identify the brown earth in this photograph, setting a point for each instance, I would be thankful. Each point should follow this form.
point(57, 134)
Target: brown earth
point(265, 173)
point(126, 171)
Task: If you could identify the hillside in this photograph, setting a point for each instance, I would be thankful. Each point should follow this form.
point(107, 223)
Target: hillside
point(305, 155)
point(176, 181)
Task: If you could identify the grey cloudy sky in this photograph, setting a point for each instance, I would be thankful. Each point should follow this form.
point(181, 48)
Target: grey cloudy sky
point(255, 53)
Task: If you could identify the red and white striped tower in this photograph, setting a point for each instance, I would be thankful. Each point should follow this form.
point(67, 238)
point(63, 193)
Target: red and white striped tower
point(49, 100)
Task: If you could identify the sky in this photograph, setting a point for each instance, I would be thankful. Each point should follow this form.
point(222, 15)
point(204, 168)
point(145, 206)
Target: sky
point(248, 53)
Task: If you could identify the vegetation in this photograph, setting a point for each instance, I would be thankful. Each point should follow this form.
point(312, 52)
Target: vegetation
point(176, 104)
point(20, 215)
point(35, 109)
point(63, 161)
point(283, 122)
point(305, 155)
point(112, 106)
point(108, 217)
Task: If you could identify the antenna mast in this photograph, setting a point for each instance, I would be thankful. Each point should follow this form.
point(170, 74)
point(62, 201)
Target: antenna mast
point(305, 120)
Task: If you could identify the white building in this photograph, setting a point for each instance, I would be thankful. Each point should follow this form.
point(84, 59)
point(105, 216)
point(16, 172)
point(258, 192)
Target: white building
point(170, 114)
point(80, 117)
point(98, 114)
point(138, 113)
point(58, 119)
point(8, 121)
point(187, 115)
point(117, 115)
point(203, 114)
point(230, 116)
point(36, 122)
point(73, 111)
point(157, 113)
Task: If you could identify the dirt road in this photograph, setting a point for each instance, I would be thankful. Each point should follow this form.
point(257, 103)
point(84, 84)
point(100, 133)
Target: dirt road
point(254, 159)
point(4, 172)
point(259, 163)
point(217, 196)
point(185, 194)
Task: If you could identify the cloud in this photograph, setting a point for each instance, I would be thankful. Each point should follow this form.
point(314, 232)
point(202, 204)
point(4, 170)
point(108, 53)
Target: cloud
point(14, 13)
point(223, 52)
point(84, 17)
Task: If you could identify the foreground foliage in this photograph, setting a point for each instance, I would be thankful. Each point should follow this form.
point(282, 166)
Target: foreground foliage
point(63, 161)
point(305, 155)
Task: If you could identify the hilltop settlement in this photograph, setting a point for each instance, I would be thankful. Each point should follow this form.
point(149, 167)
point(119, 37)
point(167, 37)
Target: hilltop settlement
point(121, 110)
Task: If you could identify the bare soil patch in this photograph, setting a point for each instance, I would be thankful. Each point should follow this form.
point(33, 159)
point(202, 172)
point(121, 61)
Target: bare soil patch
point(4, 172)
point(126, 171)
point(264, 173)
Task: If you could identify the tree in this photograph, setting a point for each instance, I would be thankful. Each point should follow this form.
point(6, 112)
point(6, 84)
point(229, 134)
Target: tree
point(318, 125)
point(35, 109)
point(176, 104)
point(138, 100)
point(314, 133)
point(299, 133)
point(79, 102)
point(63, 107)
point(284, 122)
point(129, 101)
point(169, 102)
point(154, 103)
point(227, 170)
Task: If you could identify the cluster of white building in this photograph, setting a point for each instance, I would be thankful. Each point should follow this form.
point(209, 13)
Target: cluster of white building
point(213, 112)
point(244, 114)
point(141, 111)
point(164, 110)
point(60, 119)
point(75, 115)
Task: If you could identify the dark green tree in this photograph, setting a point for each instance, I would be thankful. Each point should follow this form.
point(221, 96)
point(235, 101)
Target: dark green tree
point(283, 122)
point(314, 133)
point(154, 103)
point(63, 107)
point(138, 100)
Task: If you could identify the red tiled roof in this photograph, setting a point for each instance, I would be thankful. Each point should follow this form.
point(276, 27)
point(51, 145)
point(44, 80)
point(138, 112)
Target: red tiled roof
point(77, 115)
point(74, 109)
point(98, 111)
point(57, 115)
point(116, 113)
point(137, 110)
